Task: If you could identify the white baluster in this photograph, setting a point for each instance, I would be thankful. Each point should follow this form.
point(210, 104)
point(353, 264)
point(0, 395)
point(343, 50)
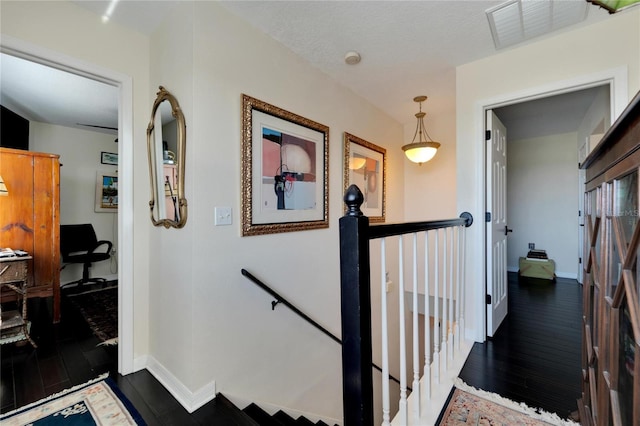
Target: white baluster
point(456, 330)
point(402, 405)
point(463, 283)
point(444, 359)
point(386, 404)
point(451, 278)
point(415, 385)
point(436, 314)
point(427, 322)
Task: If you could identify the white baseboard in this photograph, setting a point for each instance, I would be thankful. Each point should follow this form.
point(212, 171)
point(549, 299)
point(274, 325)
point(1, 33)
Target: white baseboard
point(191, 401)
point(570, 275)
point(140, 363)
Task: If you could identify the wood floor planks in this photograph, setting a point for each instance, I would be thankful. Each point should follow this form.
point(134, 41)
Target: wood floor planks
point(534, 356)
point(68, 354)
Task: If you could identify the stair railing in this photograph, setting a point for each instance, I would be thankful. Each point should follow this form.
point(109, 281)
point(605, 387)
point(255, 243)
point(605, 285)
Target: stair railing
point(280, 299)
point(445, 282)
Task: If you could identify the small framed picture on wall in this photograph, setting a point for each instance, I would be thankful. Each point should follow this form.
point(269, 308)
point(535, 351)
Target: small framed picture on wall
point(106, 192)
point(110, 158)
point(365, 166)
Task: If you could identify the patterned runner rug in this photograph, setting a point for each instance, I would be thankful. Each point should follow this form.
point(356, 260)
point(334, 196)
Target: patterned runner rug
point(98, 402)
point(99, 308)
point(471, 406)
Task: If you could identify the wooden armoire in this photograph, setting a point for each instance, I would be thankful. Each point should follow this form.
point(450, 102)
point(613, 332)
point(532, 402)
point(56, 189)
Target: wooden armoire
point(611, 310)
point(30, 218)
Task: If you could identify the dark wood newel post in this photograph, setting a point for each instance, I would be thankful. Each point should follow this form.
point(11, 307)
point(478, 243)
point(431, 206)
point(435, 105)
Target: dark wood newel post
point(357, 375)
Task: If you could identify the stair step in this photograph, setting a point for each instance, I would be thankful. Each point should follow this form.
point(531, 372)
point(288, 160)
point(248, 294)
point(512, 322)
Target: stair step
point(226, 412)
point(253, 415)
point(303, 421)
point(284, 418)
point(262, 417)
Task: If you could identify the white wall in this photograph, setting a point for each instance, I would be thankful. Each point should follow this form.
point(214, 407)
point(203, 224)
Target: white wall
point(232, 334)
point(86, 39)
point(535, 68)
point(542, 200)
point(172, 257)
point(596, 121)
point(430, 190)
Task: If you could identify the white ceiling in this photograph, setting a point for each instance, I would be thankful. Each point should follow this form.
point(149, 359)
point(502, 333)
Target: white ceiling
point(41, 93)
point(408, 48)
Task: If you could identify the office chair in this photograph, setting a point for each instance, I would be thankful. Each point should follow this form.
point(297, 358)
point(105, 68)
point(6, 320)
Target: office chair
point(78, 244)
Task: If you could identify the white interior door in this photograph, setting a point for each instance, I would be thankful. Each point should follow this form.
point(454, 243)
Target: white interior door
point(497, 230)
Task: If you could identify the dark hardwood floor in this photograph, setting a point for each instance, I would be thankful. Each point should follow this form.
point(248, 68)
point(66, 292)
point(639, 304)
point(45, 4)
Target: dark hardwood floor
point(535, 355)
point(534, 358)
point(68, 354)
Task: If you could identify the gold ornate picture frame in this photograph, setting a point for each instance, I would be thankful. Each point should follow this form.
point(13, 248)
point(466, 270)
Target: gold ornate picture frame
point(365, 166)
point(285, 170)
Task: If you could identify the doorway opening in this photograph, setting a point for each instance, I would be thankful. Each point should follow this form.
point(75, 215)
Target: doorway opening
point(124, 218)
point(550, 132)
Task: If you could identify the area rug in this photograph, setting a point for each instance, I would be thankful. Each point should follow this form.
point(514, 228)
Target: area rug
point(471, 406)
point(98, 402)
point(99, 308)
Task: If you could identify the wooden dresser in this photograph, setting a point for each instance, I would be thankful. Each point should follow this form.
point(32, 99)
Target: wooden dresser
point(611, 310)
point(30, 218)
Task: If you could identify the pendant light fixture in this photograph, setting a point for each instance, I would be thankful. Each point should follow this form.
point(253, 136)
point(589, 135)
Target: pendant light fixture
point(424, 148)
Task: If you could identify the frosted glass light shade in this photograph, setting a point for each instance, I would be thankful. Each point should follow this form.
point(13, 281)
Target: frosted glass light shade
point(421, 152)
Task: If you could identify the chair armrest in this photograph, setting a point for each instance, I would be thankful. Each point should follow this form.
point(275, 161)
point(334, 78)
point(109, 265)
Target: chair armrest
point(102, 243)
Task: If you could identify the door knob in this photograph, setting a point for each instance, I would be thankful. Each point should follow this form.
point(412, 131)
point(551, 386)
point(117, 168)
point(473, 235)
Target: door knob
point(507, 230)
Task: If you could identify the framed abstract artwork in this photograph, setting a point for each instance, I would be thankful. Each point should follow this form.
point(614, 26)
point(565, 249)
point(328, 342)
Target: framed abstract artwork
point(284, 170)
point(365, 166)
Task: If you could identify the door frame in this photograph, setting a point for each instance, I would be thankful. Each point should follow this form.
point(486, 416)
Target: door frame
point(124, 83)
point(617, 80)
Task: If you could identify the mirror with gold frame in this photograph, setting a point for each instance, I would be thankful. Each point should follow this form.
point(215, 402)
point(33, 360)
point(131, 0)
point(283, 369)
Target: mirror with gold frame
point(166, 140)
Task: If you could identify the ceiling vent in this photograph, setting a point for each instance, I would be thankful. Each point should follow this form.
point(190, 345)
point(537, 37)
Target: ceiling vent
point(516, 21)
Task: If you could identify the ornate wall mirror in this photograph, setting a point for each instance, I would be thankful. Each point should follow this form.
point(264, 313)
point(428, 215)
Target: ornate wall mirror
point(166, 140)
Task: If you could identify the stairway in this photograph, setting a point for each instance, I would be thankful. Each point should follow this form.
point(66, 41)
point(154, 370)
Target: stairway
point(253, 415)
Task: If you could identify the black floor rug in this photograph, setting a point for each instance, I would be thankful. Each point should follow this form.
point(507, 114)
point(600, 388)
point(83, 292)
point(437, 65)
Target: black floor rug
point(99, 308)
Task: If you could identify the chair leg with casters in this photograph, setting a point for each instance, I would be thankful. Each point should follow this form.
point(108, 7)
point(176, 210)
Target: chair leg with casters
point(85, 276)
point(79, 244)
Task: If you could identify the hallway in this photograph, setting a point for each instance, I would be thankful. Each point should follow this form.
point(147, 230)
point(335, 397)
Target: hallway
point(535, 355)
point(534, 358)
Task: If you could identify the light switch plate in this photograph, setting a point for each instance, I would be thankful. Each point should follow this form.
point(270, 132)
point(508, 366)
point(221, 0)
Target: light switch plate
point(222, 215)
